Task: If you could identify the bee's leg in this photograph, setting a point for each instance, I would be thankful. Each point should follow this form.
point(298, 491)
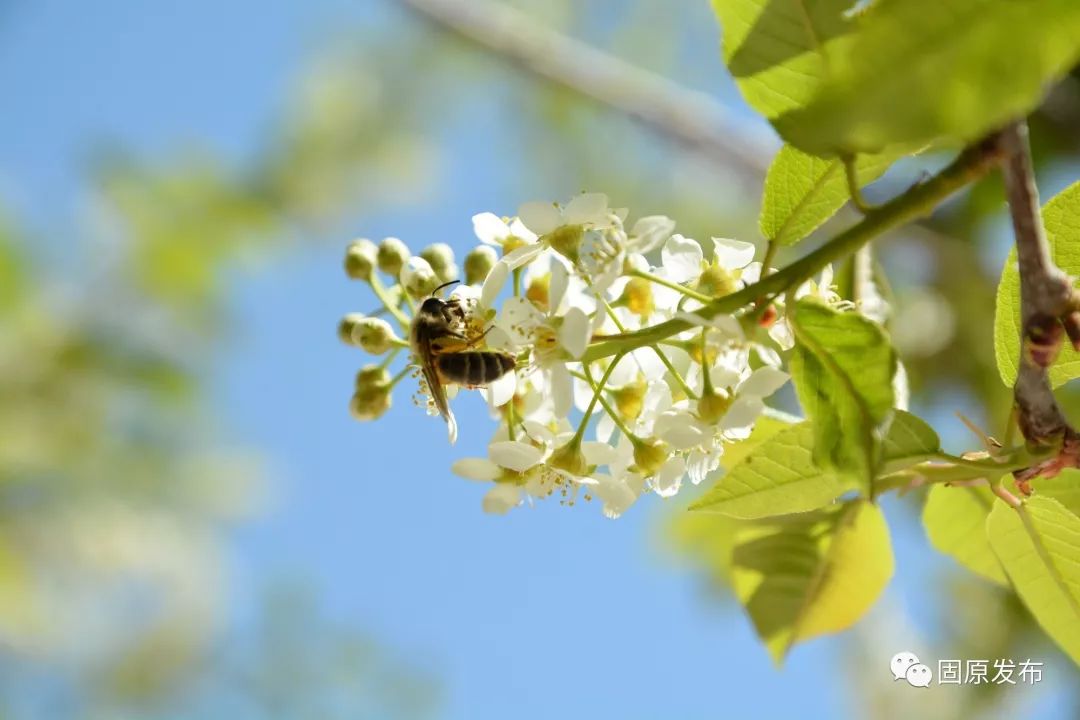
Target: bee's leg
point(481, 336)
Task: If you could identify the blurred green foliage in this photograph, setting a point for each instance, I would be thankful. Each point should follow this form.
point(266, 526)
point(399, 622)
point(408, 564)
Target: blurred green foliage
point(108, 489)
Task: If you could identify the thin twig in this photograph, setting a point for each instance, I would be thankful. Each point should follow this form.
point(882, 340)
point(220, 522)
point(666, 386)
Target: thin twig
point(691, 118)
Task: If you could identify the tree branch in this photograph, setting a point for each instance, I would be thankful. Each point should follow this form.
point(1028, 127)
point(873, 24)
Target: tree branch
point(1048, 307)
point(691, 118)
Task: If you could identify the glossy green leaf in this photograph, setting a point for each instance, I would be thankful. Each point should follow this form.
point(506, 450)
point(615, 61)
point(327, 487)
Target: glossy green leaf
point(778, 478)
point(918, 71)
point(811, 574)
point(1061, 217)
point(1063, 487)
point(955, 518)
point(803, 191)
point(909, 441)
point(778, 52)
point(1039, 546)
point(843, 366)
point(770, 424)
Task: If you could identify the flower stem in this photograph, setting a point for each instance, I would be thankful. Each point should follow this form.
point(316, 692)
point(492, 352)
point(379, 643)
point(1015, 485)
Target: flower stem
point(916, 202)
point(853, 186)
point(400, 376)
point(692, 294)
point(706, 377)
point(392, 307)
point(596, 395)
point(389, 358)
point(607, 407)
point(675, 373)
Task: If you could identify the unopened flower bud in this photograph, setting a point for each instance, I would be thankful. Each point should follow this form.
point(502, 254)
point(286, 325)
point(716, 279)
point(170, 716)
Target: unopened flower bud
point(370, 402)
point(566, 240)
point(716, 281)
point(360, 259)
point(440, 257)
point(372, 376)
point(392, 256)
point(418, 278)
point(374, 335)
point(571, 459)
point(650, 456)
point(346, 326)
point(712, 406)
point(478, 264)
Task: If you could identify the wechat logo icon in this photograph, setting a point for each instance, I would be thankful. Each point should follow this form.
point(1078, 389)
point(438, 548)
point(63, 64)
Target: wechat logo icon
point(906, 666)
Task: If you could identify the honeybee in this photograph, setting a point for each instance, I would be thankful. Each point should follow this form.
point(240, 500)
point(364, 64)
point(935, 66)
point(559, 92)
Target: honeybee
point(446, 354)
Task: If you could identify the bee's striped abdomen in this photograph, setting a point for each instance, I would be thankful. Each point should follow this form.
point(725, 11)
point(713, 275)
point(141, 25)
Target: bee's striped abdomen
point(474, 368)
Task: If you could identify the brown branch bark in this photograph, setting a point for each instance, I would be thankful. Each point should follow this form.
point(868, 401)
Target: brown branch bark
point(1047, 311)
point(691, 118)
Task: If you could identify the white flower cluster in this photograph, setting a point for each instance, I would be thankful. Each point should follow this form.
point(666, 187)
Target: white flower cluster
point(543, 287)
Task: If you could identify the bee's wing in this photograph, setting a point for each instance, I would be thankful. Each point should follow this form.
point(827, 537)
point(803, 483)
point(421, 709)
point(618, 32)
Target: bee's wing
point(438, 394)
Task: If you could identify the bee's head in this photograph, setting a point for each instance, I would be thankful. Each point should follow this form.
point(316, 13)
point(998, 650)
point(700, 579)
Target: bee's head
point(432, 306)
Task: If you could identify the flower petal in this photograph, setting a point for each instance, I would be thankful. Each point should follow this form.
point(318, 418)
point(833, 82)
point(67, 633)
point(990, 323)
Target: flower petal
point(574, 332)
point(490, 228)
point(514, 455)
point(681, 259)
point(586, 208)
point(732, 254)
point(742, 413)
point(519, 318)
point(763, 382)
point(651, 232)
point(598, 453)
point(668, 481)
point(501, 499)
point(518, 230)
point(523, 255)
point(560, 281)
point(501, 391)
point(615, 494)
point(493, 284)
point(540, 217)
point(562, 390)
point(679, 429)
point(476, 469)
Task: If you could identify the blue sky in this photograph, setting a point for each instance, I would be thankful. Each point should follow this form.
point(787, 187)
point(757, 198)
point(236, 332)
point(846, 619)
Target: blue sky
point(547, 612)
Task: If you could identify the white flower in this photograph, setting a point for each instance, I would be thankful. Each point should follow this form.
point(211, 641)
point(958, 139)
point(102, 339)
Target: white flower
point(649, 233)
point(553, 339)
point(620, 487)
point(587, 209)
point(493, 230)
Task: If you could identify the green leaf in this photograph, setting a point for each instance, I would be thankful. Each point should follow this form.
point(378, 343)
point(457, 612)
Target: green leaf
point(778, 52)
point(777, 478)
point(843, 366)
point(954, 518)
point(921, 70)
point(1061, 217)
point(1039, 546)
point(803, 191)
point(811, 574)
point(909, 441)
point(768, 425)
point(1063, 487)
